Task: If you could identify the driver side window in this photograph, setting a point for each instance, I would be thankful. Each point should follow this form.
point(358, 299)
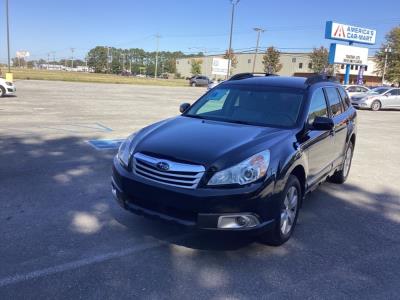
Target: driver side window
point(318, 106)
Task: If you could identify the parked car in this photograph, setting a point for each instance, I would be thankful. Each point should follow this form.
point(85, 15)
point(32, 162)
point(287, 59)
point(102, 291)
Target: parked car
point(242, 157)
point(199, 80)
point(7, 87)
point(355, 89)
point(214, 83)
point(377, 98)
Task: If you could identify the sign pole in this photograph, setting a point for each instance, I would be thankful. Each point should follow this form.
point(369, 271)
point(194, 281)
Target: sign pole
point(347, 74)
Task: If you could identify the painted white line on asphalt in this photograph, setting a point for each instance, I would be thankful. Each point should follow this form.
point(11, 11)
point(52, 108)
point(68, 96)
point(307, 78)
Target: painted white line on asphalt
point(86, 261)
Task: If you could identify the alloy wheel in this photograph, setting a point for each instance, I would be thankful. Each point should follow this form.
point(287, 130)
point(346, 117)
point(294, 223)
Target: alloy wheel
point(289, 210)
point(347, 161)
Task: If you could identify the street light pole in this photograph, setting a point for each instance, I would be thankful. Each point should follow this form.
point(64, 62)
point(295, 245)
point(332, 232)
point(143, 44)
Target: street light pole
point(8, 38)
point(155, 71)
point(387, 50)
point(233, 2)
point(259, 31)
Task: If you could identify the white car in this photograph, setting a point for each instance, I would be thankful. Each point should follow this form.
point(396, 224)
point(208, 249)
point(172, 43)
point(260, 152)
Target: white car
point(213, 84)
point(6, 87)
point(355, 89)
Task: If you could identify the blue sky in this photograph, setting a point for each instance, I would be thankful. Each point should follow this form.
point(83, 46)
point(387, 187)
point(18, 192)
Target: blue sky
point(42, 26)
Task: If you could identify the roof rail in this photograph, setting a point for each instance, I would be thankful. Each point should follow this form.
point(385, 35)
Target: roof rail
point(320, 78)
point(240, 76)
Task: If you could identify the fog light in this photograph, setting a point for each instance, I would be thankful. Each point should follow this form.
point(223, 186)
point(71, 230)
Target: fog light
point(114, 192)
point(237, 221)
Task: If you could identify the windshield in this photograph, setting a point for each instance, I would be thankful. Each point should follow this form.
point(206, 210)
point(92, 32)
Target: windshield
point(379, 90)
point(265, 106)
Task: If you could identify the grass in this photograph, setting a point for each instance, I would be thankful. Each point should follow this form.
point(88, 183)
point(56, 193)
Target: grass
point(30, 74)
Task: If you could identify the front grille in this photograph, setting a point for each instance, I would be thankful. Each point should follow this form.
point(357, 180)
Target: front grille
point(166, 171)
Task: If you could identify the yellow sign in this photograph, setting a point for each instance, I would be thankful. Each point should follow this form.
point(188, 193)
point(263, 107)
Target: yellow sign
point(9, 77)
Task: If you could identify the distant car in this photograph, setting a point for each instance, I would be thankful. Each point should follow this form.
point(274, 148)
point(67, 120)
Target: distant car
point(355, 89)
point(6, 87)
point(213, 84)
point(199, 80)
point(377, 98)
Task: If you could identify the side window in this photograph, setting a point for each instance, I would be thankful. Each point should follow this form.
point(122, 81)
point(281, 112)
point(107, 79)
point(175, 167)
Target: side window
point(318, 106)
point(364, 90)
point(345, 98)
point(334, 101)
point(396, 92)
point(352, 89)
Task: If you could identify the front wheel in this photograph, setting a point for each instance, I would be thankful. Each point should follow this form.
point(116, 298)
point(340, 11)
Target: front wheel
point(376, 105)
point(194, 84)
point(286, 219)
point(341, 175)
point(2, 91)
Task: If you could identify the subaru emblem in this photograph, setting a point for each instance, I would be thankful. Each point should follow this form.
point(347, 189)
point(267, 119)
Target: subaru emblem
point(162, 165)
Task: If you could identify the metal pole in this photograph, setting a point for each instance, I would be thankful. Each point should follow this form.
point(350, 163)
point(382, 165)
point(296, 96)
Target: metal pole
point(72, 57)
point(259, 31)
point(347, 74)
point(387, 50)
point(48, 61)
point(8, 38)
point(155, 71)
point(230, 38)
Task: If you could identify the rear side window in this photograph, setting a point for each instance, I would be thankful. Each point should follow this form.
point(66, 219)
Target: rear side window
point(334, 101)
point(345, 97)
point(318, 106)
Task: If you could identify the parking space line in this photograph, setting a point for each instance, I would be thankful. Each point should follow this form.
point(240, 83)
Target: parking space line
point(17, 278)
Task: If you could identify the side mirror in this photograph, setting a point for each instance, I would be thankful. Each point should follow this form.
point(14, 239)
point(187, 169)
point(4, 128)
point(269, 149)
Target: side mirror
point(184, 107)
point(322, 123)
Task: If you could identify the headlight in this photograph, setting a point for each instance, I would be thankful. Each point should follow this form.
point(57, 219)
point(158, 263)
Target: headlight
point(9, 83)
point(125, 150)
point(245, 172)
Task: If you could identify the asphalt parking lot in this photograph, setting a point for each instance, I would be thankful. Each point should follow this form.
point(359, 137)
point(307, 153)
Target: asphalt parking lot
point(63, 236)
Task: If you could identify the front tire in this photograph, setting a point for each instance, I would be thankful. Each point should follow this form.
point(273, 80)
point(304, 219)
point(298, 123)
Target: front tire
point(194, 84)
point(341, 175)
point(2, 91)
point(376, 105)
point(286, 218)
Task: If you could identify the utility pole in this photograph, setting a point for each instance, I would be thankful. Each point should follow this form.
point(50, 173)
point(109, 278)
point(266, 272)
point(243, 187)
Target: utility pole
point(234, 3)
point(259, 31)
point(72, 57)
point(387, 50)
point(157, 38)
point(8, 38)
point(54, 56)
point(48, 61)
point(108, 59)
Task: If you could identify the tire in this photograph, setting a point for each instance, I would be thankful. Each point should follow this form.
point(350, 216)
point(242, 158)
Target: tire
point(2, 91)
point(194, 84)
point(341, 175)
point(281, 232)
point(376, 105)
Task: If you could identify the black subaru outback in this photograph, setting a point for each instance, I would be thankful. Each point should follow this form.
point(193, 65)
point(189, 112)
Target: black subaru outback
point(242, 157)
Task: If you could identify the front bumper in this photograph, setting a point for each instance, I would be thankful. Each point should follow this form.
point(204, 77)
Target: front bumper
point(358, 104)
point(198, 208)
point(10, 89)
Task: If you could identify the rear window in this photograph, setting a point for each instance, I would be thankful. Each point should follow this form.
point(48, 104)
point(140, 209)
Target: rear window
point(345, 97)
point(334, 101)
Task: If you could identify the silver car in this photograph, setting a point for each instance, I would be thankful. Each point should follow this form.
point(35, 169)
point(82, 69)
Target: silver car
point(377, 98)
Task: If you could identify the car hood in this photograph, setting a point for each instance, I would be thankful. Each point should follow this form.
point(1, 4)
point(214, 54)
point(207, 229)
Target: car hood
point(205, 142)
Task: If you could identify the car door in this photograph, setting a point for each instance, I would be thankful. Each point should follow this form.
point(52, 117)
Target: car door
point(391, 98)
point(340, 120)
point(318, 144)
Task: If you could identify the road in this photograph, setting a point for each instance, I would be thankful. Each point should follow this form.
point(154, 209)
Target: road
point(62, 236)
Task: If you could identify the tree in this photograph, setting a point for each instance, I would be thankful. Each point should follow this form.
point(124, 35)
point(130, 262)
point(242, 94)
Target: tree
point(97, 59)
point(196, 66)
point(392, 72)
point(271, 61)
point(320, 61)
point(231, 55)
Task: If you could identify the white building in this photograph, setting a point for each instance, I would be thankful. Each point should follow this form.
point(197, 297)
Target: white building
point(293, 64)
